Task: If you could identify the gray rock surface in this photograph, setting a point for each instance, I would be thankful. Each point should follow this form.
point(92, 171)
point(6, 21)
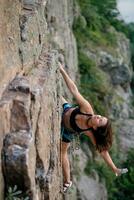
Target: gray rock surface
point(126, 135)
point(119, 72)
point(89, 189)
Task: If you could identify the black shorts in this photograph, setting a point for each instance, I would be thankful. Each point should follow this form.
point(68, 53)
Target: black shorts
point(66, 135)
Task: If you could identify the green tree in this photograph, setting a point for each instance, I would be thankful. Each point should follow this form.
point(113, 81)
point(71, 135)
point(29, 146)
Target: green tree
point(105, 7)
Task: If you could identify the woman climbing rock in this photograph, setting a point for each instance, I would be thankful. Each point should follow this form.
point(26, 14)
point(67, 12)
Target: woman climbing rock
point(83, 119)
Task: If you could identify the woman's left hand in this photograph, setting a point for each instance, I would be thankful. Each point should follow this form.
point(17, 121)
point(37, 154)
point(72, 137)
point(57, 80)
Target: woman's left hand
point(119, 172)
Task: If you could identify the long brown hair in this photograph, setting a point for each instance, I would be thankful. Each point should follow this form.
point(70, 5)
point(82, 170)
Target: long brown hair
point(103, 136)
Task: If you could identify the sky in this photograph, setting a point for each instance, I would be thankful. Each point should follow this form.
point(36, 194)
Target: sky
point(126, 8)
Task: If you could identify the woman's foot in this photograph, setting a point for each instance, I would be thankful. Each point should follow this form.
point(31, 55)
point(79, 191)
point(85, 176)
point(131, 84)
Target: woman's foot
point(67, 186)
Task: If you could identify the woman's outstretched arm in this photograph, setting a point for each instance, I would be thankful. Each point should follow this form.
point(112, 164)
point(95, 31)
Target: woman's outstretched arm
point(83, 103)
point(105, 155)
point(107, 158)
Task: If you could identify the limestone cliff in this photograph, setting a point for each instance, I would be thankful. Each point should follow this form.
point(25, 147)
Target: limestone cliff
point(33, 33)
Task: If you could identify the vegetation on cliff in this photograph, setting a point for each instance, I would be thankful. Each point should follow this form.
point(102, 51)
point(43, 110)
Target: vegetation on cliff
point(93, 30)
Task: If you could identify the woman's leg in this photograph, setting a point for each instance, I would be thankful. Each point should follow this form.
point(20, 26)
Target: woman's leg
point(65, 162)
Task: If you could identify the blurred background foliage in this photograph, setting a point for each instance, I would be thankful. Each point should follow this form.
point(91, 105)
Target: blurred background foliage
point(92, 28)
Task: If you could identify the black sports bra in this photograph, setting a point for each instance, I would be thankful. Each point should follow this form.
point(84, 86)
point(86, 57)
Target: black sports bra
point(73, 122)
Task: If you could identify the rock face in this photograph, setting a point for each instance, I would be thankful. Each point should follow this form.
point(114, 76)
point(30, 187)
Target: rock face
point(126, 135)
point(89, 189)
point(119, 71)
point(30, 90)
point(30, 123)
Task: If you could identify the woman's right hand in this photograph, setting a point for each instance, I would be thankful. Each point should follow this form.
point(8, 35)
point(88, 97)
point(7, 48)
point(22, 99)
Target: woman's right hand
point(60, 66)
